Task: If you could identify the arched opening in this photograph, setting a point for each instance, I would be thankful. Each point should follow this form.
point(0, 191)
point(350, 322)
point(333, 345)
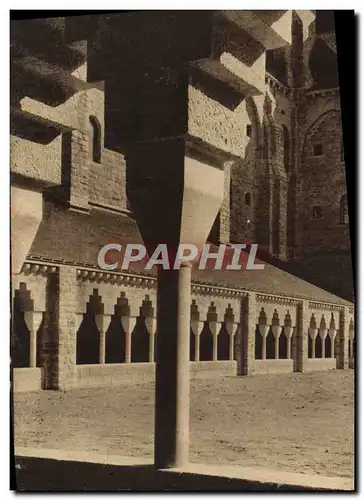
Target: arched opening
point(88, 335)
point(344, 214)
point(328, 346)
point(258, 343)
point(223, 344)
point(115, 341)
point(283, 345)
point(206, 344)
point(270, 345)
point(88, 340)
point(318, 344)
point(192, 345)
point(94, 139)
point(140, 342)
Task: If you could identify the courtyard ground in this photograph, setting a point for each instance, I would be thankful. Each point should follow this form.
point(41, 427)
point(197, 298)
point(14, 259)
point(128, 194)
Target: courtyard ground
point(292, 422)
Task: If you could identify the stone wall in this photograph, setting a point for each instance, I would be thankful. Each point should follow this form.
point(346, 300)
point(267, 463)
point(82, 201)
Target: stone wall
point(62, 154)
point(322, 161)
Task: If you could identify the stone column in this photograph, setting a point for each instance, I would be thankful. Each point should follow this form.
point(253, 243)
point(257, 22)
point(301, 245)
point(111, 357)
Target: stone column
point(197, 327)
point(215, 327)
point(150, 324)
point(302, 325)
point(323, 334)
point(313, 335)
point(33, 321)
point(264, 329)
point(332, 334)
point(343, 359)
point(128, 324)
point(188, 207)
point(102, 322)
point(248, 321)
point(276, 329)
point(172, 367)
point(288, 331)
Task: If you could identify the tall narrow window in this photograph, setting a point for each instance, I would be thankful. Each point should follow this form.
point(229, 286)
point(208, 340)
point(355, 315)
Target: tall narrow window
point(248, 199)
point(344, 214)
point(342, 150)
point(249, 130)
point(94, 139)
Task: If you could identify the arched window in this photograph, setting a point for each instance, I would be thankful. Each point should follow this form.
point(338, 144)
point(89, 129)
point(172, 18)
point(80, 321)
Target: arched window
point(286, 147)
point(94, 145)
point(248, 199)
point(344, 214)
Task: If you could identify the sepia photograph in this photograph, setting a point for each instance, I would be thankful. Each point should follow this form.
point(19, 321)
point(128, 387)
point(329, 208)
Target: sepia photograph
point(182, 207)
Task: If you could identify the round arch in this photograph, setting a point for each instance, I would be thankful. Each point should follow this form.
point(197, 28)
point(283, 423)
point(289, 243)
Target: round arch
point(313, 127)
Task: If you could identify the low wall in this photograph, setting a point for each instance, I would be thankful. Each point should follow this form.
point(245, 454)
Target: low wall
point(114, 374)
point(264, 366)
point(27, 379)
point(210, 369)
point(124, 373)
point(321, 364)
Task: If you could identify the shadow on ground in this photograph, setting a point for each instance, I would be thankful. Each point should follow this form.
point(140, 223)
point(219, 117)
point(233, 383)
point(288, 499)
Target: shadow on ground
point(43, 474)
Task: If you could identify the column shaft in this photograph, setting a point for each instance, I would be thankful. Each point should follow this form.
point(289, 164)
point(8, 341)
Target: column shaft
point(128, 346)
point(264, 347)
point(151, 347)
point(276, 347)
point(288, 347)
point(172, 368)
point(102, 347)
point(197, 347)
point(33, 348)
point(332, 352)
point(214, 344)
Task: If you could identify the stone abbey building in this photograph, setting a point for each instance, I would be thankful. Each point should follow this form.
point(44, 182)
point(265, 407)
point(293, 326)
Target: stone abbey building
point(106, 112)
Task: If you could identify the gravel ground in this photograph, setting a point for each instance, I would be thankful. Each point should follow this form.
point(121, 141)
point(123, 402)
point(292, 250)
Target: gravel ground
point(294, 422)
